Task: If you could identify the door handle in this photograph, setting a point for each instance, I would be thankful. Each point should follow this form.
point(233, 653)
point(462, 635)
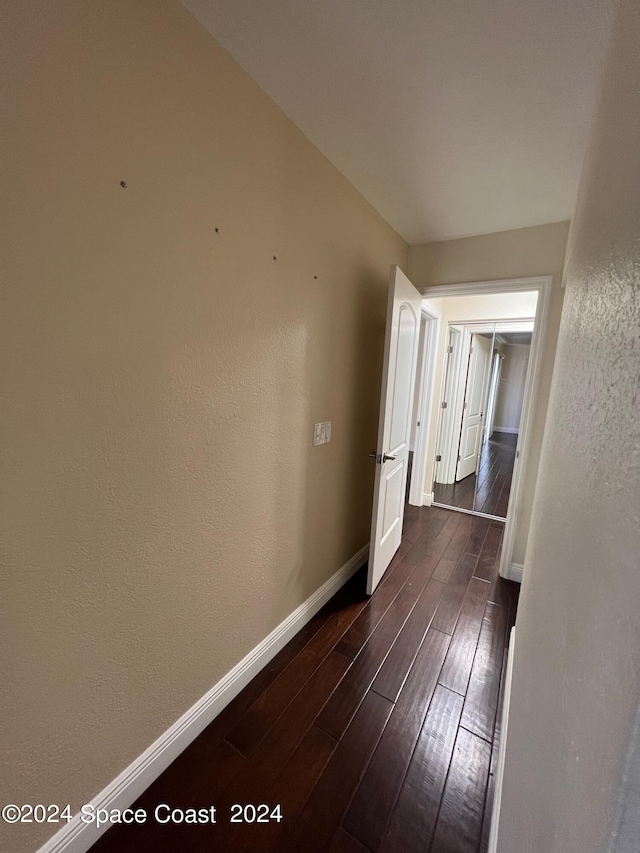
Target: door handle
point(380, 458)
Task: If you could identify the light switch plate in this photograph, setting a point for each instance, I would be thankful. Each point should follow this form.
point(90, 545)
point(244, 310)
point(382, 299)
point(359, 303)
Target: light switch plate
point(321, 433)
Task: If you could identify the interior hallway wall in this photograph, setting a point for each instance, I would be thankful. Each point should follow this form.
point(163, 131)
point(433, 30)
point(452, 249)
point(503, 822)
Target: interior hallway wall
point(508, 254)
point(162, 506)
point(570, 767)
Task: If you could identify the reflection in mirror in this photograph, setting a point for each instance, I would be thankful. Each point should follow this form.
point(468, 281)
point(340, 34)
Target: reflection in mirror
point(483, 391)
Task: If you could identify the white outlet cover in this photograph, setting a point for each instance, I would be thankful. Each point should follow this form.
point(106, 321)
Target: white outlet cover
point(321, 433)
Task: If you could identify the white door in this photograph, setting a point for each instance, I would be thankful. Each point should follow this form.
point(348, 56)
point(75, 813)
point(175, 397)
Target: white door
point(394, 426)
point(452, 403)
point(474, 402)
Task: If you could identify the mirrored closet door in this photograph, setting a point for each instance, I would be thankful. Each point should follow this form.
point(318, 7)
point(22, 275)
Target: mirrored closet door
point(482, 394)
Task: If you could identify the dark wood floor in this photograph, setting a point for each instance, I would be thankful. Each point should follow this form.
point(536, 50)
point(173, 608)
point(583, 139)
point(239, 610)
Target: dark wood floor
point(495, 471)
point(374, 728)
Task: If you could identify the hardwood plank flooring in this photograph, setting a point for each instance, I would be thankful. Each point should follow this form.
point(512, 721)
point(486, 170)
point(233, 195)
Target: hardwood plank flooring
point(322, 815)
point(416, 811)
point(459, 825)
point(481, 703)
point(488, 489)
point(374, 729)
point(457, 666)
point(373, 803)
point(346, 698)
point(449, 607)
point(393, 672)
point(487, 556)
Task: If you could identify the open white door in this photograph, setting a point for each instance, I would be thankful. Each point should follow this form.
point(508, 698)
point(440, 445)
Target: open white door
point(474, 403)
point(394, 426)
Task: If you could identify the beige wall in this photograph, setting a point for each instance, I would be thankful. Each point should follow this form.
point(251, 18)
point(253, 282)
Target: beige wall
point(162, 506)
point(576, 681)
point(509, 254)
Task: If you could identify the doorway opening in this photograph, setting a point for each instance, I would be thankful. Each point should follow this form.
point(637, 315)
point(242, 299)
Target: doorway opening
point(424, 330)
point(480, 411)
point(491, 433)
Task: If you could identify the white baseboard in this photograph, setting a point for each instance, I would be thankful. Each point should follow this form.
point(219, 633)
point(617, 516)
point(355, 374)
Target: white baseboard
point(77, 837)
point(427, 499)
point(504, 724)
point(514, 572)
point(509, 430)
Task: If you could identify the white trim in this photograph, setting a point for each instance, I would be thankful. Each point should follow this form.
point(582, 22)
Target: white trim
point(543, 285)
point(506, 326)
point(425, 391)
point(510, 430)
point(78, 837)
point(504, 717)
point(427, 499)
point(469, 288)
point(514, 572)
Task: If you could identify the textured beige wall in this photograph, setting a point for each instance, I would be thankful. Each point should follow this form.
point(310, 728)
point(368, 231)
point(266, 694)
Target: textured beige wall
point(162, 506)
point(509, 254)
point(576, 680)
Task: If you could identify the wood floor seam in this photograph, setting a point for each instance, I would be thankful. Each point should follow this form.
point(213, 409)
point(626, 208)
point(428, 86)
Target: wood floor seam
point(457, 692)
point(475, 734)
point(231, 746)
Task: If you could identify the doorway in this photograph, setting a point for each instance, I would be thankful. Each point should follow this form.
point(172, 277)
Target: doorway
point(503, 446)
point(480, 411)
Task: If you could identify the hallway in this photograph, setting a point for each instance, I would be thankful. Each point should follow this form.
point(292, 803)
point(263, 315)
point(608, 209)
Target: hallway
point(495, 471)
point(374, 728)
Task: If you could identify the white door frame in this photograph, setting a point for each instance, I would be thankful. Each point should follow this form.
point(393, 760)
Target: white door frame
point(427, 356)
point(541, 284)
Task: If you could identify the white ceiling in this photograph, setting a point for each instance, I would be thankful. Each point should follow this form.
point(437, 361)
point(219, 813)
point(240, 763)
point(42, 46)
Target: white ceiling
point(452, 117)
